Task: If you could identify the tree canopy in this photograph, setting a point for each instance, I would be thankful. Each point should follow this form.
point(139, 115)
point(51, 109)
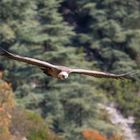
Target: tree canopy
point(102, 35)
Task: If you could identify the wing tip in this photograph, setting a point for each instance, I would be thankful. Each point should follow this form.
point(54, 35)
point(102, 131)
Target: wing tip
point(127, 76)
point(3, 51)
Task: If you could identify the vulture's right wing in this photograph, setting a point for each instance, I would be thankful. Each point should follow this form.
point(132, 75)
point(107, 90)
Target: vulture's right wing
point(28, 60)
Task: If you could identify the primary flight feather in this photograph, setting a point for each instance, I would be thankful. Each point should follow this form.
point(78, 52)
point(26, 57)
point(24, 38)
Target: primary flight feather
point(60, 72)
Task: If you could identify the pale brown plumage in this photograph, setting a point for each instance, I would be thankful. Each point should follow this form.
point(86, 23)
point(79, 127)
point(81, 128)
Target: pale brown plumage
point(60, 72)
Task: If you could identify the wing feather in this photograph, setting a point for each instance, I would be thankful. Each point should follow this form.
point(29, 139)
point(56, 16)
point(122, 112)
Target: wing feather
point(28, 60)
point(99, 74)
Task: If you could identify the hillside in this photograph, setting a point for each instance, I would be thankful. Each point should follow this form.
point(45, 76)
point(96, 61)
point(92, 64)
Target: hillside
point(99, 35)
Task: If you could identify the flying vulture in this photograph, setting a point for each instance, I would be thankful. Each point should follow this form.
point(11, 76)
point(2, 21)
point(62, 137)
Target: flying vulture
point(60, 72)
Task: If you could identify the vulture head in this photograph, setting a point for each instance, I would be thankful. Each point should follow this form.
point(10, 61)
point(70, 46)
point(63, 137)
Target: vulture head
point(63, 75)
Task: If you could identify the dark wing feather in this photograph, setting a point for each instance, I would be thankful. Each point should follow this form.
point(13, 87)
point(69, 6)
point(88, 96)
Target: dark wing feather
point(100, 74)
point(28, 60)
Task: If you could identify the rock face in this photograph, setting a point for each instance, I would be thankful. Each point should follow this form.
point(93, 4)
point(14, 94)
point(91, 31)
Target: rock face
point(125, 123)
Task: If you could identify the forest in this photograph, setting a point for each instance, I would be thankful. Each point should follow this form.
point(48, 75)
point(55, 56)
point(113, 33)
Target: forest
point(99, 35)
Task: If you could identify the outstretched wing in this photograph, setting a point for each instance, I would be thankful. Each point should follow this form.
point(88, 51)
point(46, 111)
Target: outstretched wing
point(33, 61)
point(100, 74)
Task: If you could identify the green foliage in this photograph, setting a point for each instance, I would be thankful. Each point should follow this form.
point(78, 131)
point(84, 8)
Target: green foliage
point(92, 35)
point(31, 125)
point(39, 132)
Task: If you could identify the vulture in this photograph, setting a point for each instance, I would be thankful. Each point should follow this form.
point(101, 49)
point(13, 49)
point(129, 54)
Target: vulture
point(60, 72)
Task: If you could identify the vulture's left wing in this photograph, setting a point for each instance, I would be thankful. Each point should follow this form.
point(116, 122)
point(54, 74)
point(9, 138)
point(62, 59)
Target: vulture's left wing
point(100, 74)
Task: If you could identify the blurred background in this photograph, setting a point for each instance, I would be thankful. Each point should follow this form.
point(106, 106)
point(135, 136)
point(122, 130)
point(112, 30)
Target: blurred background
point(91, 34)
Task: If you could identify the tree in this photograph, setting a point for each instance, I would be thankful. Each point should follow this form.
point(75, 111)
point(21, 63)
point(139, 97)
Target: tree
point(105, 31)
point(6, 106)
point(71, 33)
